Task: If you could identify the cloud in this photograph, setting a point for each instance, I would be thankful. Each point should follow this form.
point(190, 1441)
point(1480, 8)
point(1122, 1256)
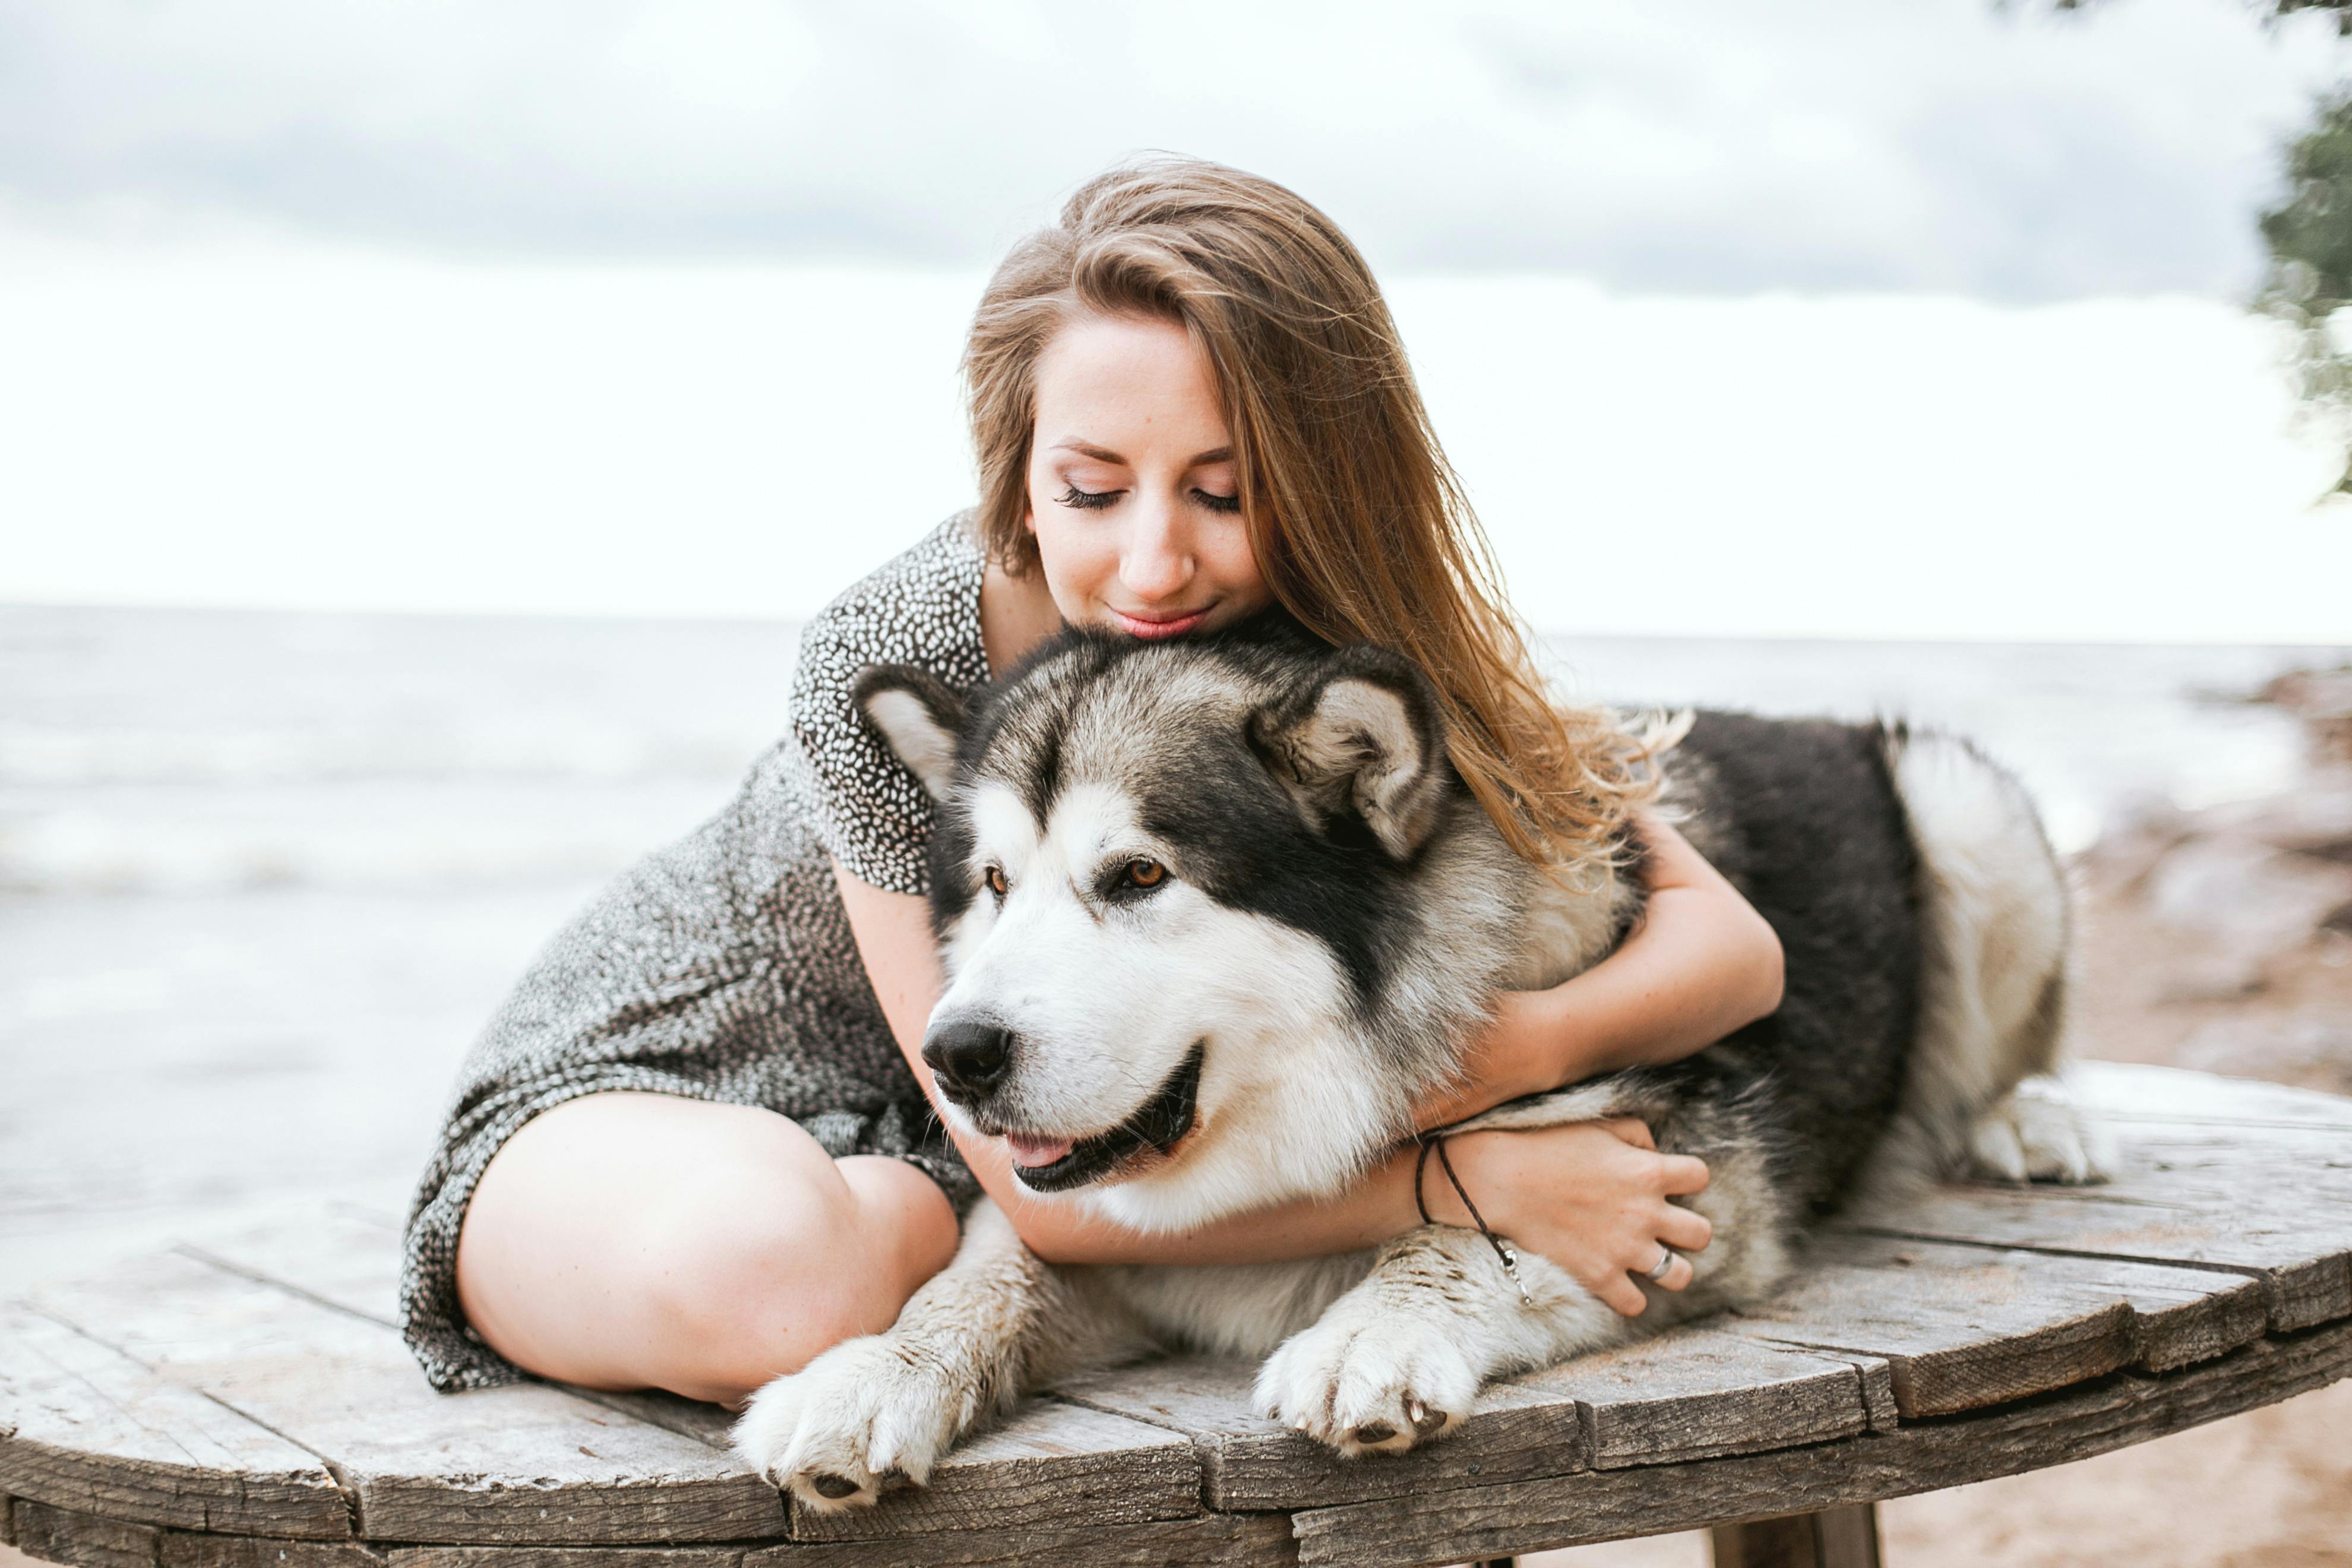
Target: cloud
point(1714, 146)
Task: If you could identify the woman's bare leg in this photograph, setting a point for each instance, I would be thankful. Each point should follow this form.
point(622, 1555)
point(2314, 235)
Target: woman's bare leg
point(648, 1240)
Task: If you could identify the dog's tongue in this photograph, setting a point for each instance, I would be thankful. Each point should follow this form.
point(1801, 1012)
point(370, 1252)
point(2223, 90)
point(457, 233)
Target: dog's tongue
point(1035, 1152)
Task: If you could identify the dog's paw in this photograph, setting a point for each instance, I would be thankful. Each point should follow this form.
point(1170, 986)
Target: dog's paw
point(1368, 1383)
point(2037, 1134)
point(852, 1422)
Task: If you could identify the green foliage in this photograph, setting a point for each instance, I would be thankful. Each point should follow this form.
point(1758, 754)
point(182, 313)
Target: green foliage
point(2310, 275)
point(2268, 10)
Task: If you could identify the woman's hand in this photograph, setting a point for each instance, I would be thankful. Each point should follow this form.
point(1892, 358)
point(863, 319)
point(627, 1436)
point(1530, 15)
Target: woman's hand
point(1590, 1197)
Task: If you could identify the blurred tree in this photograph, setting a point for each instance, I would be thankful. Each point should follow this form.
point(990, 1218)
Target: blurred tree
point(2310, 275)
point(2309, 237)
point(2269, 10)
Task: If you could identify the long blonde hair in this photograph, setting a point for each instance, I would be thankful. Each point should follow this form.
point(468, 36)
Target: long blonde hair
point(1360, 526)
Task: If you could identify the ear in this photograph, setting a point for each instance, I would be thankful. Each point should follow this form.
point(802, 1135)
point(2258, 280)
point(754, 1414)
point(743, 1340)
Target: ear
point(1364, 739)
point(916, 714)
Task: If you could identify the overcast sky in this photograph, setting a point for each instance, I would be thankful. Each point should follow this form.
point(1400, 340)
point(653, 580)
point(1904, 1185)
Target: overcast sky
point(1876, 318)
point(1718, 146)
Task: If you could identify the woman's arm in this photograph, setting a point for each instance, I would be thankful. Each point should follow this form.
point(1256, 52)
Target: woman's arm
point(1701, 963)
point(1590, 1197)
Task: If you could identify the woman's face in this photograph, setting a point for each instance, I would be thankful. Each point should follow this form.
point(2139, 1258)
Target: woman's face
point(1132, 490)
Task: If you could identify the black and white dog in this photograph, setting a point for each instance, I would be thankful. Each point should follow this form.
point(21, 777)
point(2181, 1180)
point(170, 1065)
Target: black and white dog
point(1217, 913)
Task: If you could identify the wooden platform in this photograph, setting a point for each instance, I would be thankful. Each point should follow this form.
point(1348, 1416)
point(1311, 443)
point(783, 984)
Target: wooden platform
point(245, 1399)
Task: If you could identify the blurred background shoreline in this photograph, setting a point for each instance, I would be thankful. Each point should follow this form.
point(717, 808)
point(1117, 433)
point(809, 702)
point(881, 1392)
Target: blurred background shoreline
point(263, 874)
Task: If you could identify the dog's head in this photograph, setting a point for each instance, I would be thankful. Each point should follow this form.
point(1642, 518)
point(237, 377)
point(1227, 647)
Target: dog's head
point(1197, 901)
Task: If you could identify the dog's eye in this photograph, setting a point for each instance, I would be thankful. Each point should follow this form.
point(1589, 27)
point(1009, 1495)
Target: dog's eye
point(994, 877)
point(1143, 873)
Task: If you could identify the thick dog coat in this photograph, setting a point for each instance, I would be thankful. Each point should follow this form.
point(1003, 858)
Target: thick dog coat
point(1215, 914)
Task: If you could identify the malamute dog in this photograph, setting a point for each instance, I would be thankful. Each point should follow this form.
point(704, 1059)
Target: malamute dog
point(1217, 913)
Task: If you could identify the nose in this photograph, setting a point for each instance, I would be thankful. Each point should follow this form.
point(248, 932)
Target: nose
point(970, 1055)
point(1157, 563)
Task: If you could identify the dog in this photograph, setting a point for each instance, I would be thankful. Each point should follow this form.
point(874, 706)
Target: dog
point(1215, 914)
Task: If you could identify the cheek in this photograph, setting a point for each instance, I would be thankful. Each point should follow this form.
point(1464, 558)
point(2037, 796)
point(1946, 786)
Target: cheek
point(1237, 569)
point(1077, 559)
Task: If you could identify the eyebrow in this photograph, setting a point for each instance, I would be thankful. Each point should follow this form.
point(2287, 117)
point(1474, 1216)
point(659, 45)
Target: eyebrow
point(1105, 454)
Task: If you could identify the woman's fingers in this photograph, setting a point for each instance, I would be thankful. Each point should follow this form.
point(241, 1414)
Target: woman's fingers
point(1680, 1275)
point(1621, 1293)
point(1685, 1174)
point(1683, 1230)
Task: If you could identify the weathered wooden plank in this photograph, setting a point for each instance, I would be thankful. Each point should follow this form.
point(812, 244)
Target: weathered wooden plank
point(332, 1254)
point(2261, 1223)
point(1207, 1540)
point(1696, 1392)
point(7, 1519)
point(1964, 1327)
point(85, 1428)
point(1051, 1464)
point(566, 1556)
point(2128, 1091)
point(85, 1540)
point(181, 1550)
point(706, 1423)
point(1605, 1505)
point(527, 1463)
point(1252, 1463)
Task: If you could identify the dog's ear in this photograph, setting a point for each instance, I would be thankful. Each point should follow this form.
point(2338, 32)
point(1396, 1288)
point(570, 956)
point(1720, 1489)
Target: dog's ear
point(1366, 739)
point(916, 714)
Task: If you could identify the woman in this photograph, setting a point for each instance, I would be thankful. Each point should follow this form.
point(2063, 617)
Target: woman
point(693, 1151)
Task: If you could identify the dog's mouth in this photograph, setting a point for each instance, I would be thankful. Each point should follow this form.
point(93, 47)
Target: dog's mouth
point(1047, 1165)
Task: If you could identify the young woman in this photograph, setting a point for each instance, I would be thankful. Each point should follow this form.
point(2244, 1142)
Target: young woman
point(693, 1151)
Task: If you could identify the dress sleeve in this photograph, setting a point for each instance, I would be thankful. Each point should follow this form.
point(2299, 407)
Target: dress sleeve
point(864, 806)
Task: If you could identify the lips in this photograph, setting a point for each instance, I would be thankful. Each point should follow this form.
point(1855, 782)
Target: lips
point(1167, 627)
point(1158, 1126)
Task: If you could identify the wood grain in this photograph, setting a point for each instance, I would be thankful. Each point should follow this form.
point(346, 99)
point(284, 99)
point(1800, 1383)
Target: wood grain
point(1965, 1327)
point(1050, 1465)
point(67, 1535)
point(1696, 1391)
point(1210, 1541)
point(524, 1463)
point(336, 1255)
point(85, 1428)
point(1604, 1505)
point(1252, 1463)
point(181, 1549)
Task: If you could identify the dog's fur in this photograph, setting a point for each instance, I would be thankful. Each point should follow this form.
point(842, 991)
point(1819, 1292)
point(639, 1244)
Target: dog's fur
point(1335, 918)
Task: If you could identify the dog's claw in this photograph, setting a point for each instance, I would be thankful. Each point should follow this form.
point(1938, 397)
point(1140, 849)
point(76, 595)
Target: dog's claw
point(1425, 1421)
point(835, 1485)
point(1374, 1432)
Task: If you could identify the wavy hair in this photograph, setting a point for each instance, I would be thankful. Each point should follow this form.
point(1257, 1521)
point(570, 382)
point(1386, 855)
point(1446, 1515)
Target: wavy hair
point(1360, 526)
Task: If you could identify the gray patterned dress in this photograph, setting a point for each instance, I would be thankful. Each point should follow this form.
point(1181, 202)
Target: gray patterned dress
point(722, 967)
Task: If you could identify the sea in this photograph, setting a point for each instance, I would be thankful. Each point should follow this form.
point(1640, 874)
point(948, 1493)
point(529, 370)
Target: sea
point(264, 875)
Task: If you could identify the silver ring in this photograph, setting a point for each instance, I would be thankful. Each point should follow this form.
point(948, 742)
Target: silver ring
point(1657, 1276)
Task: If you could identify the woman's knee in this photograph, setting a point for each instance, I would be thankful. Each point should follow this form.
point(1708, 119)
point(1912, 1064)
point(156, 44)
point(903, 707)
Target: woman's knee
point(651, 1240)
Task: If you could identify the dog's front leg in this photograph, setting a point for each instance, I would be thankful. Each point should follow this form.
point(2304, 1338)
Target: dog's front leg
point(1400, 1359)
point(996, 1323)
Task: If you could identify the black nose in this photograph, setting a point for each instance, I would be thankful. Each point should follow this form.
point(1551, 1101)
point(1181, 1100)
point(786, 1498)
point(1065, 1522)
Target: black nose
point(970, 1055)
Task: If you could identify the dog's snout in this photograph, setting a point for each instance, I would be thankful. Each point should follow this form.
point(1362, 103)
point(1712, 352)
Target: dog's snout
point(970, 1055)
